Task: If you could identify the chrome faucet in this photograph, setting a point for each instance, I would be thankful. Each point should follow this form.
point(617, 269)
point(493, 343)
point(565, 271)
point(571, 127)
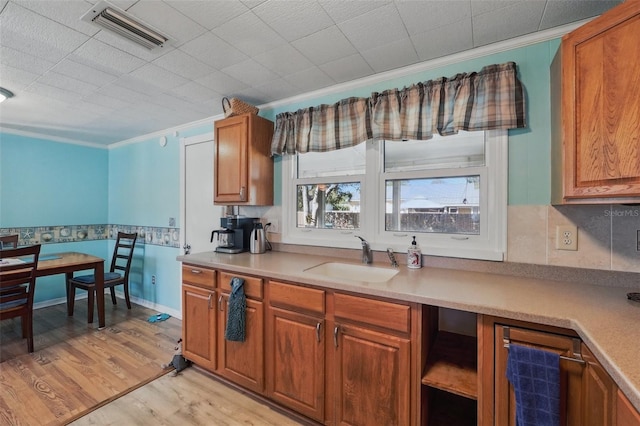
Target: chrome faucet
point(392, 258)
point(367, 256)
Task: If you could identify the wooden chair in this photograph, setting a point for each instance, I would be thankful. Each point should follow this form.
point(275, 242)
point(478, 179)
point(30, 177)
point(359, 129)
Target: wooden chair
point(8, 241)
point(17, 286)
point(118, 275)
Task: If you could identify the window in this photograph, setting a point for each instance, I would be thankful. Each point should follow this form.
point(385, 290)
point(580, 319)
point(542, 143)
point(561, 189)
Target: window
point(450, 192)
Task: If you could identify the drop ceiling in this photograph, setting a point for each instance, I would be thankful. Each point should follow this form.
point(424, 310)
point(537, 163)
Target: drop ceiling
point(75, 81)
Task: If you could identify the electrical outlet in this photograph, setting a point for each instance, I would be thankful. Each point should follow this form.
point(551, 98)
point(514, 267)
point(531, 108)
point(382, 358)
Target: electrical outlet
point(566, 237)
point(275, 226)
point(153, 279)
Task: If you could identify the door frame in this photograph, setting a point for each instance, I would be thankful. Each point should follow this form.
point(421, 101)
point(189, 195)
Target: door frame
point(184, 142)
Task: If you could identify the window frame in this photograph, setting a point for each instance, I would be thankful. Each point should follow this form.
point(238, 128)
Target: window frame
point(489, 245)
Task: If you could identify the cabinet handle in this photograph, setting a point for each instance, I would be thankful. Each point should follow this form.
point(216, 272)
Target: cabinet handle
point(335, 336)
point(243, 191)
point(318, 327)
point(196, 271)
point(209, 301)
point(220, 304)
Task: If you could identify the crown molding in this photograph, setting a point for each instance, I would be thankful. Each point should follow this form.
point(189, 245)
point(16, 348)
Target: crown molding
point(43, 136)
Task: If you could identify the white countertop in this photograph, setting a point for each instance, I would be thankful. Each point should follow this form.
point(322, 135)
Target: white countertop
point(603, 317)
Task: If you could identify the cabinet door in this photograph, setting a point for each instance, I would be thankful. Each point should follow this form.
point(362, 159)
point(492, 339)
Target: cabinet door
point(626, 414)
point(570, 373)
point(599, 392)
point(601, 105)
point(373, 380)
point(231, 163)
point(296, 370)
point(199, 326)
point(242, 362)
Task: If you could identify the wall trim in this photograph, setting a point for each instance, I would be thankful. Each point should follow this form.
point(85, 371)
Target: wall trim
point(144, 303)
point(48, 138)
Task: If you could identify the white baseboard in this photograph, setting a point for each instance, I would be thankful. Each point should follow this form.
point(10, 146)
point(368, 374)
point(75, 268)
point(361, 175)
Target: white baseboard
point(136, 300)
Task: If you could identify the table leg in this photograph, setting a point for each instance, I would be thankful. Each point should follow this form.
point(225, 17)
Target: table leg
point(99, 274)
point(67, 277)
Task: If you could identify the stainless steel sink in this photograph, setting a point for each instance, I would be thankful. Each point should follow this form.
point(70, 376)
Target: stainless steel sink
point(352, 272)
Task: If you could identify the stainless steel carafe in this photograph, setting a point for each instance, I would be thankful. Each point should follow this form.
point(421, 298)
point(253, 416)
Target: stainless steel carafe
point(258, 240)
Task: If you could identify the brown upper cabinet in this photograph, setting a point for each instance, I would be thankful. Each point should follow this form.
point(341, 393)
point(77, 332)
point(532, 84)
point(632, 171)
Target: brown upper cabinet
point(595, 106)
point(243, 167)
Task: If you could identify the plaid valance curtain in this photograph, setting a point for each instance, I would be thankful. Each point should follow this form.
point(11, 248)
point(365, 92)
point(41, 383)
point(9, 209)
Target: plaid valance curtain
point(487, 100)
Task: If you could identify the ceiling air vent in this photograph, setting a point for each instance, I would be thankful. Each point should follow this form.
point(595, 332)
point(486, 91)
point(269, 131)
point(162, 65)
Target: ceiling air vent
point(120, 22)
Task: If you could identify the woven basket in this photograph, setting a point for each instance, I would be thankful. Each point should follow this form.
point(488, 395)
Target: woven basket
point(235, 106)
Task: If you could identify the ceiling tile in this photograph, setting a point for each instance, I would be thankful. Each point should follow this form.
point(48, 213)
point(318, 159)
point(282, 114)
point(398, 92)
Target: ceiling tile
point(24, 61)
point(167, 20)
point(478, 7)
point(310, 79)
point(249, 34)
point(36, 35)
point(212, 50)
point(67, 13)
point(561, 12)
point(349, 68)
point(47, 91)
point(284, 60)
point(130, 47)
point(516, 21)
point(153, 74)
point(83, 72)
point(420, 17)
point(106, 58)
point(390, 56)
point(293, 19)
point(380, 26)
point(456, 37)
point(278, 89)
point(15, 79)
point(209, 14)
point(325, 46)
point(251, 73)
point(194, 92)
point(221, 82)
point(67, 83)
point(116, 91)
point(341, 10)
point(182, 64)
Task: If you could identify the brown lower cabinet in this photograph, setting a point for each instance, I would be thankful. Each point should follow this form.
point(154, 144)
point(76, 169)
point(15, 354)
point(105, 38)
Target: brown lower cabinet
point(199, 315)
point(589, 396)
point(344, 359)
point(340, 359)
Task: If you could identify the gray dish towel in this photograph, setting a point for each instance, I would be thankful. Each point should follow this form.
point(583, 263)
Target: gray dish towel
point(236, 312)
point(535, 377)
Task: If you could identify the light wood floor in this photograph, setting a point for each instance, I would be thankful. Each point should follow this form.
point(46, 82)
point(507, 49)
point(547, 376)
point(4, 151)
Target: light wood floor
point(77, 369)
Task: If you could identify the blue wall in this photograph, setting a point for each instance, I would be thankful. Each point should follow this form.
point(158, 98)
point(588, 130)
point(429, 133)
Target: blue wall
point(138, 184)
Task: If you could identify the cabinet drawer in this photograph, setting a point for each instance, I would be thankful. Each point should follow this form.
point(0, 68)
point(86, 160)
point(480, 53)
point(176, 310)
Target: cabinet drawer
point(199, 276)
point(252, 285)
point(296, 297)
point(375, 312)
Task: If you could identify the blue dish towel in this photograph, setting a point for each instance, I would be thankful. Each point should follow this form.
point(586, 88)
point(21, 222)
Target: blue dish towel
point(236, 311)
point(535, 377)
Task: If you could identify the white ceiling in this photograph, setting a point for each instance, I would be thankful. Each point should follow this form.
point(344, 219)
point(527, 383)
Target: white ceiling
point(73, 80)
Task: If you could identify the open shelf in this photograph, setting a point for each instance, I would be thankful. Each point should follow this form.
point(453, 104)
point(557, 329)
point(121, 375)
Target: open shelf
point(447, 409)
point(452, 365)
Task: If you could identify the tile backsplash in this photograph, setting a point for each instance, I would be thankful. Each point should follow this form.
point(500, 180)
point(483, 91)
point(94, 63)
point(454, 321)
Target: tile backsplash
point(75, 233)
point(607, 236)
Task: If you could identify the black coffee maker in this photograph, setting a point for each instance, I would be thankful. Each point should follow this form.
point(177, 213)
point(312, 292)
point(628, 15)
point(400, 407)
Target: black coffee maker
point(234, 235)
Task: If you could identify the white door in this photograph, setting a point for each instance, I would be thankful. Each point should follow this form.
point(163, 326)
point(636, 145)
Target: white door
point(200, 215)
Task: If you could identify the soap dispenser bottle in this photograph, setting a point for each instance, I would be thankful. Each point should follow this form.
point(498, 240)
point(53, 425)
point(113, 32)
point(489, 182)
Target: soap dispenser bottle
point(414, 255)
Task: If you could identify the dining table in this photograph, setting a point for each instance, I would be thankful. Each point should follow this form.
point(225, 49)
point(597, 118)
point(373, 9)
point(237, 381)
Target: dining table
point(69, 262)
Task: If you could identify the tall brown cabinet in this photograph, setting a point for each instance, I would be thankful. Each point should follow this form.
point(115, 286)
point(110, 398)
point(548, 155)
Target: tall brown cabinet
point(595, 104)
point(243, 167)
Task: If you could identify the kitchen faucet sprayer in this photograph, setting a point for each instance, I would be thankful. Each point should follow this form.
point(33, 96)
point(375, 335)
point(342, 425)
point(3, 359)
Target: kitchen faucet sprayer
point(367, 255)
